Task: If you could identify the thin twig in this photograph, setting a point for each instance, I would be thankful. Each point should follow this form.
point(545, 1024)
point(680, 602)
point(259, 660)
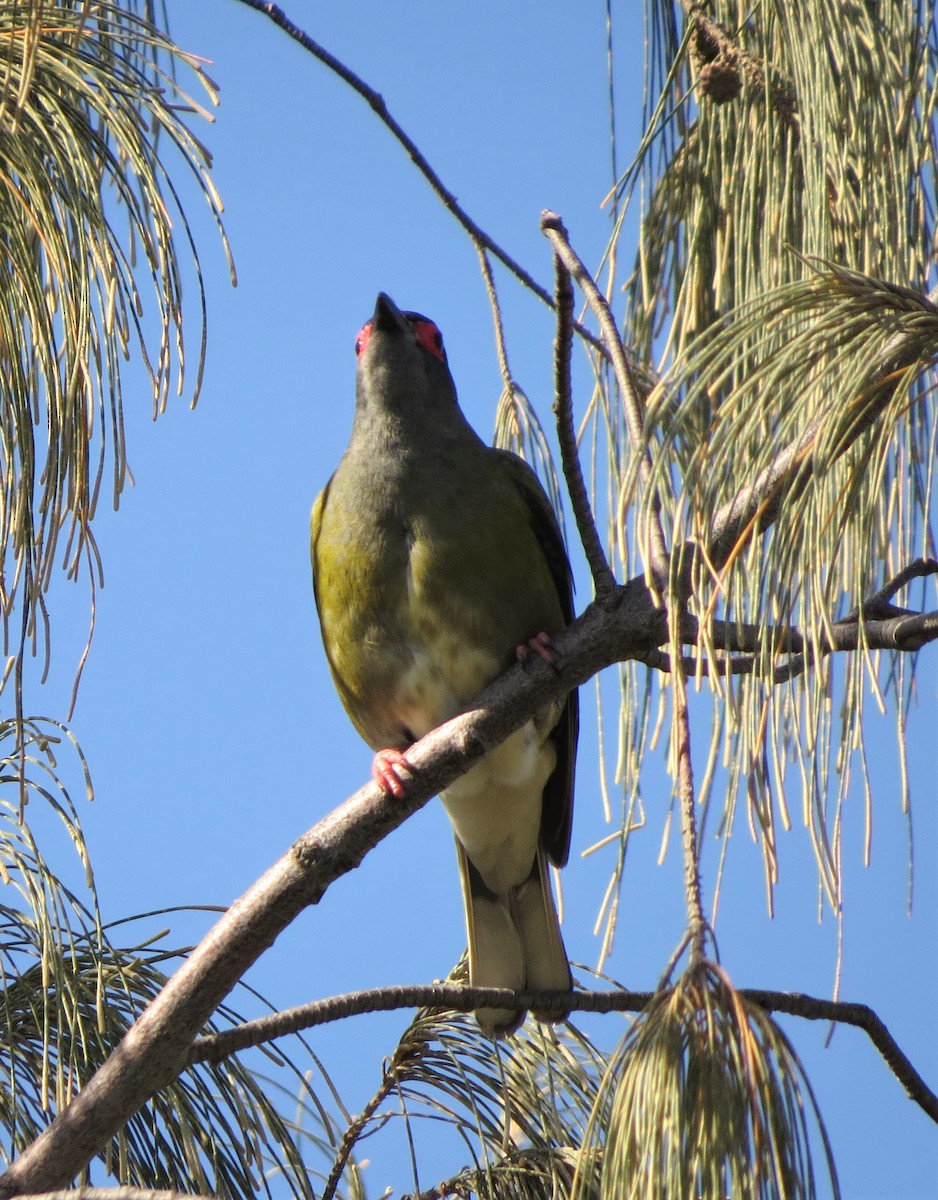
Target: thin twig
point(217, 1046)
point(604, 582)
point(376, 101)
point(905, 634)
point(744, 637)
point(897, 629)
point(353, 1133)
point(917, 569)
point(502, 351)
point(861, 1016)
point(567, 263)
point(553, 228)
point(686, 796)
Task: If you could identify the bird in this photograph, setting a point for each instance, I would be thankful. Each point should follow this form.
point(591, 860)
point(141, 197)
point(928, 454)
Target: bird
point(438, 562)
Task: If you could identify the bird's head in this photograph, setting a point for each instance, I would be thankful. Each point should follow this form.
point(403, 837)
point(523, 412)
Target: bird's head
point(402, 364)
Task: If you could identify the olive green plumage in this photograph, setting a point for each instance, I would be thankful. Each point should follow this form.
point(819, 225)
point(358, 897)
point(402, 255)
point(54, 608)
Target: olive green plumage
point(434, 558)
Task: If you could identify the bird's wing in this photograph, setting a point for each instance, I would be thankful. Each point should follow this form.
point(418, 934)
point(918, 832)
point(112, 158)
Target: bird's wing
point(545, 525)
point(557, 814)
point(315, 525)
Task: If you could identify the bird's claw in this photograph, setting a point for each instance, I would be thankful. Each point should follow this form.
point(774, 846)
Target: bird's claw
point(386, 771)
point(541, 645)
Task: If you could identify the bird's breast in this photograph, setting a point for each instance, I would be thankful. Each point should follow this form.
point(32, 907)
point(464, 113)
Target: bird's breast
point(434, 588)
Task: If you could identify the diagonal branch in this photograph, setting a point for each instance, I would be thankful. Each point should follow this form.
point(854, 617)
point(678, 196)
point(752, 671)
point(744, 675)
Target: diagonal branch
point(627, 626)
point(376, 102)
point(155, 1049)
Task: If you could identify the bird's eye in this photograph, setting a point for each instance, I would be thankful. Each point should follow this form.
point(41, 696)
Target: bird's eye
point(430, 338)
point(361, 341)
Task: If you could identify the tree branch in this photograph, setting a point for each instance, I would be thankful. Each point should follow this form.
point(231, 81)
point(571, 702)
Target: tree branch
point(376, 102)
point(604, 582)
point(159, 1045)
point(218, 1046)
point(156, 1047)
point(683, 773)
point(862, 1017)
point(553, 228)
point(352, 1134)
point(876, 624)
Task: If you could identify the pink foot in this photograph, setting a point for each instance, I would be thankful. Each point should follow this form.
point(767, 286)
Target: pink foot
point(386, 771)
point(541, 645)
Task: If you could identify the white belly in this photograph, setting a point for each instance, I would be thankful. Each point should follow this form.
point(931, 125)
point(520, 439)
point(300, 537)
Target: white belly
point(495, 807)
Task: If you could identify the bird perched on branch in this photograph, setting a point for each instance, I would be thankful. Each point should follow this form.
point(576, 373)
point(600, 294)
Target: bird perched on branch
point(437, 561)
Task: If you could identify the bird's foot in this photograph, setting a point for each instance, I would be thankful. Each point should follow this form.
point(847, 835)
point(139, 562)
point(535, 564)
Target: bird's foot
point(541, 645)
point(386, 771)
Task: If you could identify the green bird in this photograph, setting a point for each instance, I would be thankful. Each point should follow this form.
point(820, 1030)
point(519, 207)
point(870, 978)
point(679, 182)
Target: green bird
point(437, 562)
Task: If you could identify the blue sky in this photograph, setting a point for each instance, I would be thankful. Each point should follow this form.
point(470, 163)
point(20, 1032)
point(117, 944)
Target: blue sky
point(206, 711)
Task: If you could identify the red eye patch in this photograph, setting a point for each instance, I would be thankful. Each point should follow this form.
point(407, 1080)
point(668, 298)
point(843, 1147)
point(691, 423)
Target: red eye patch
point(428, 336)
point(425, 331)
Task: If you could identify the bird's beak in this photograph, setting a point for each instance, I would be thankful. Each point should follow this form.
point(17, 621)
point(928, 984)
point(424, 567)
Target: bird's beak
point(388, 317)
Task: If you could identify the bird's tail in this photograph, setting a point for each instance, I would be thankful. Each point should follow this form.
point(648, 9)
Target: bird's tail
point(514, 941)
